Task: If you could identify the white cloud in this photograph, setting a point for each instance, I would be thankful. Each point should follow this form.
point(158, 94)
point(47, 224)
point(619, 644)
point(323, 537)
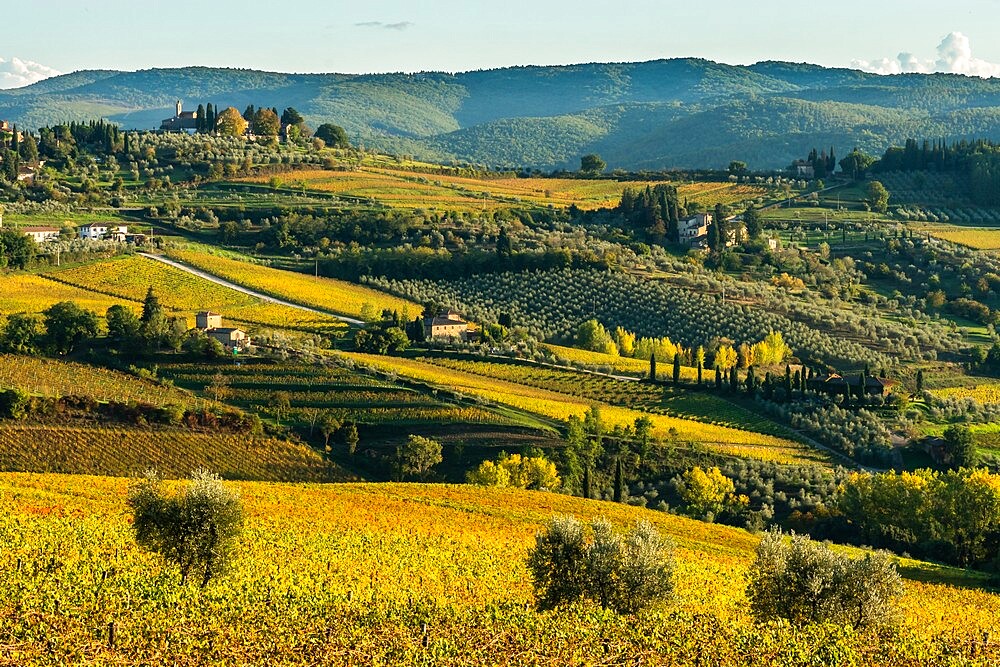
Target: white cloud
point(401, 25)
point(954, 55)
point(15, 72)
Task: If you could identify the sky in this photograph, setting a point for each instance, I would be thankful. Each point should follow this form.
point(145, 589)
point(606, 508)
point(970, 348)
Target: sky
point(60, 36)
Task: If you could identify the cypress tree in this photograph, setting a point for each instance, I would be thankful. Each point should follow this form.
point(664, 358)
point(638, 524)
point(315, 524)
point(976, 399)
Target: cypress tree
point(920, 381)
point(677, 368)
point(751, 382)
point(700, 370)
point(788, 382)
point(586, 481)
point(734, 380)
point(619, 482)
point(718, 379)
point(652, 367)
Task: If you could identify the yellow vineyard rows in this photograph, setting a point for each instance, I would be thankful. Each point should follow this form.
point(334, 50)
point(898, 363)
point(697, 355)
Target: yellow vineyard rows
point(130, 277)
point(335, 296)
point(33, 294)
point(980, 239)
point(394, 574)
point(626, 365)
point(407, 189)
point(53, 377)
point(174, 453)
point(561, 406)
point(984, 393)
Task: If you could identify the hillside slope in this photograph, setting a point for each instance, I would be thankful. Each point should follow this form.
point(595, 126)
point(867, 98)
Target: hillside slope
point(352, 573)
point(663, 113)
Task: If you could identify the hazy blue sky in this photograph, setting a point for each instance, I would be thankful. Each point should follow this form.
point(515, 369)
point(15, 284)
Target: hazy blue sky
point(454, 35)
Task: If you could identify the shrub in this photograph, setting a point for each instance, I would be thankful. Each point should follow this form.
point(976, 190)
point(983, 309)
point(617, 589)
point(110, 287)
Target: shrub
point(807, 582)
point(623, 573)
point(524, 472)
point(195, 529)
point(13, 403)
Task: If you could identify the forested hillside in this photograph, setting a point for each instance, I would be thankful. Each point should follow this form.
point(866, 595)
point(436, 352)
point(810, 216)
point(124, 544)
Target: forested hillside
point(666, 113)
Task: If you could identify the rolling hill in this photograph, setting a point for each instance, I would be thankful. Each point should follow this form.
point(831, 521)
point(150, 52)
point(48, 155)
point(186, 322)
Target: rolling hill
point(411, 574)
point(667, 113)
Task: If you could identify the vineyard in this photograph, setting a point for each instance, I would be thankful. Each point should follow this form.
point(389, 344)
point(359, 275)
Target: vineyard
point(33, 294)
point(313, 390)
point(704, 407)
point(551, 304)
point(409, 575)
point(129, 278)
point(626, 365)
point(978, 238)
point(55, 378)
point(334, 296)
point(560, 406)
point(988, 394)
point(174, 453)
point(401, 188)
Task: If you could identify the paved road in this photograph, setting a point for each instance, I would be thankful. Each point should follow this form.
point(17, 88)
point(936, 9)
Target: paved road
point(244, 290)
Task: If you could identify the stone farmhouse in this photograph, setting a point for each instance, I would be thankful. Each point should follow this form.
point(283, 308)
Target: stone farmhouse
point(231, 338)
point(447, 325)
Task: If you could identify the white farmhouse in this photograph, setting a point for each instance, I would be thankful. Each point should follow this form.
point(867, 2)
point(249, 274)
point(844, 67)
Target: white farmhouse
point(103, 230)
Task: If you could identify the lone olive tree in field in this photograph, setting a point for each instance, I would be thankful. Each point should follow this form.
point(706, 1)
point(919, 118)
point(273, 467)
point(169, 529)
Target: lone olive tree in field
point(625, 573)
point(807, 582)
point(195, 528)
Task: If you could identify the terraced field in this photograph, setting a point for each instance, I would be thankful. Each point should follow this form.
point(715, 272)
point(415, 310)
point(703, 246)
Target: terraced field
point(124, 452)
point(703, 407)
point(401, 188)
point(314, 390)
point(560, 406)
point(55, 377)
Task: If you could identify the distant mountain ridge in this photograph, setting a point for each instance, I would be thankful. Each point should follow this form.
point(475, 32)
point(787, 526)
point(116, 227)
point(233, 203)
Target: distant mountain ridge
point(684, 112)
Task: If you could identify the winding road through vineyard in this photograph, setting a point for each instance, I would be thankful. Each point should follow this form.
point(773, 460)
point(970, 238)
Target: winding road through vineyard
point(244, 290)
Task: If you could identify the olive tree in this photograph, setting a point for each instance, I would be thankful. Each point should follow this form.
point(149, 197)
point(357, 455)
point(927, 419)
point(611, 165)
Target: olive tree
point(195, 529)
point(807, 582)
point(625, 573)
